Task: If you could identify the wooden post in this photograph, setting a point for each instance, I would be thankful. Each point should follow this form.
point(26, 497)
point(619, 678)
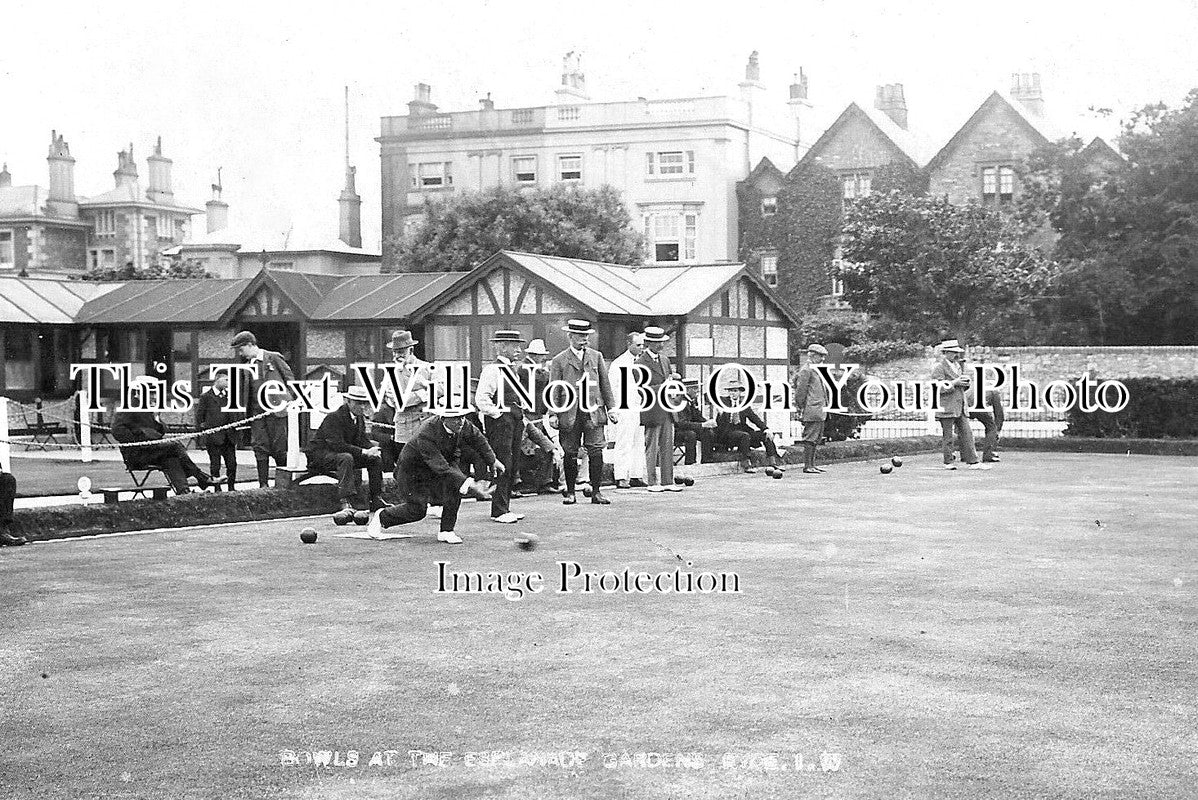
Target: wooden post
point(5, 448)
point(293, 437)
point(85, 428)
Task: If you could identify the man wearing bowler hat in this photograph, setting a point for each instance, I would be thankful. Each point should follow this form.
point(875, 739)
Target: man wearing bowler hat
point(429, 474)
point(953, 382)
point(658, 421)
point(577, 364)
point(342, 448)
point(811, 399)
point(502, 417)
point(268, 435)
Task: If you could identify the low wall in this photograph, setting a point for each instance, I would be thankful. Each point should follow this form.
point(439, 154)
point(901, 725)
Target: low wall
point(1044, 364)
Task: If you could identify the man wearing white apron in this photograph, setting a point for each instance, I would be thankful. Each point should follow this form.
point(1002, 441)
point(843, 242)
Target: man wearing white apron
point(628, 433)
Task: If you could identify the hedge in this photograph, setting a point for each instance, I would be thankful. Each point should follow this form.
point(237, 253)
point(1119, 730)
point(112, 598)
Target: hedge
point(1158, 408)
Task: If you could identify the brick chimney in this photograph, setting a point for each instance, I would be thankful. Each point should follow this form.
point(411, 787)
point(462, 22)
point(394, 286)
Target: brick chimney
point(889, 100)
point(486, 103)
point(159, 190)
point(1025, 88)
point(751, 89)
point(423, 102)
point(574, 80)
point(125, 173)
point(217, 210)
point(61, 201)
point(5, 177)
point(351, 210)
point(800, 107)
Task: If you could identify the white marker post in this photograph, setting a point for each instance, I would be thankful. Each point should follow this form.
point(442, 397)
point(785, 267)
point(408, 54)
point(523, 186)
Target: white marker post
point(5, 449)
point(85, 428)
point(293, 437)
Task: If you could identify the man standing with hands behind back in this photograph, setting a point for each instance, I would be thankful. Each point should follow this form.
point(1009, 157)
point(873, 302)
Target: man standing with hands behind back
point(628, 433)
point(811, 398)
point(577, 426)
point(268, 435)
point(658, 421)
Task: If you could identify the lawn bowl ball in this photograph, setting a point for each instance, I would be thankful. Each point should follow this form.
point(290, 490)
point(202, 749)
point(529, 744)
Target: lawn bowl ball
point(679, 480)
point(343, 517)
point(527, 541)
point(778, 474)
point(898, 462)
point(308, 536)
point(770, 472)
point(688, 480)
point(885, 469)
point(586, 492)
point(361, 517)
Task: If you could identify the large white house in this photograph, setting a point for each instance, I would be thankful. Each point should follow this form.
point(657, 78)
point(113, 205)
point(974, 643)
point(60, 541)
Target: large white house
point(676, 162)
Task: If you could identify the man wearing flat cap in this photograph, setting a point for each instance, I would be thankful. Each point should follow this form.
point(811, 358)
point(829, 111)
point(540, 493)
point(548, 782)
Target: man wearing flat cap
point(342, 448)
point(429, 473)
point(580, 363)
point(812, 400)
point(268, 435)
point(953, 382)
point(658, 421)
point(502, 416)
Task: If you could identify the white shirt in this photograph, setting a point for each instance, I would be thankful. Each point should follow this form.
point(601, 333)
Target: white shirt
point(625, 359)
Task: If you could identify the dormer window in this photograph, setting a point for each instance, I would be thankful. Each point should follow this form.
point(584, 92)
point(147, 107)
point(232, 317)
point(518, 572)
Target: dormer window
point(769, 206)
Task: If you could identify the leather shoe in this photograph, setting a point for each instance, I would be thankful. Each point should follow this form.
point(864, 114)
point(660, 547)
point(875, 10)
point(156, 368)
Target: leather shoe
point(569, 498)
point(598, 499)
point(11, 539)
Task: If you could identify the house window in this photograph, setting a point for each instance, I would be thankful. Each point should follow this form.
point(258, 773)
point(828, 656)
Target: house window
point(431, 175)
point(671, 162)
point(857, 184)
point(569, 168)
point(837, 287)
point(998, 184)
point(7, 255)
point(166, 227)
point(769, 206)
point(524, 169)
point(671, 236)
point(106, 221)
point(769, 269)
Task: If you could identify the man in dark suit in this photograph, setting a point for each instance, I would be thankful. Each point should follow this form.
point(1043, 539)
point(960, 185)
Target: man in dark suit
point(992, 422)
point(169, 456)
point(268, 435)
point(222, 445)
point(340, 447)
point(658, 421)
point(8, 494)
point(691, 429)
point(576, 364)
point(429, 474)
point(504, 426)
point(743, 430)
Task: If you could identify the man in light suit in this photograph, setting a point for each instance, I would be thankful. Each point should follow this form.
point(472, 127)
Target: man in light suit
point(628, 433)
point(811, 399)
point(658, 421)
point(953, 382)
point(576, 364)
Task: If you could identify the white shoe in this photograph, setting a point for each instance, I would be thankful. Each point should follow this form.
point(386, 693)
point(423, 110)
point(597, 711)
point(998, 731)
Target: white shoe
point(656, 488)
point(949, 466)
point(374, 528)
point(979, 465)
point(434, 512)
point(673, 488)
point(519, 517)
point(449, 537)
point(506, 519)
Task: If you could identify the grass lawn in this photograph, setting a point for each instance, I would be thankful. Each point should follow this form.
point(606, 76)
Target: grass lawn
point(1029, 632)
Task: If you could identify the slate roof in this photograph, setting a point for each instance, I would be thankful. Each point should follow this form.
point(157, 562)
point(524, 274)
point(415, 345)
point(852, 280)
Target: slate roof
point(46, 301)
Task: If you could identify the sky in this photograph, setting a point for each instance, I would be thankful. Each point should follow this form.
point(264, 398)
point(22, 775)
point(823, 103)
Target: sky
point(258, 88)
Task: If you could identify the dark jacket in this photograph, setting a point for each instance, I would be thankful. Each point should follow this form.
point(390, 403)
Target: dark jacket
point(430, 458)
point(689, 418)
point(339, 432)
point(138, 426)
point(271, 368)
point(660, 370)
point(209, 415)
point(746, 421)
point(566, 366)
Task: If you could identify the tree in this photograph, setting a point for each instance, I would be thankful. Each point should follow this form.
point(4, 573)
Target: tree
point(189, 269)
point(1128, 232)
point(937, 269)
point(567, 221)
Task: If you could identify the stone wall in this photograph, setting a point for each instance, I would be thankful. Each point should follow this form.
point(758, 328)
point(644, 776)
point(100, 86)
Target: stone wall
point(1043, 364)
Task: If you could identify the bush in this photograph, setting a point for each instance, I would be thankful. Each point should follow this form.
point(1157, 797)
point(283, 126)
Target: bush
point(826, 327)
point(1158, 408)
point(869, 353)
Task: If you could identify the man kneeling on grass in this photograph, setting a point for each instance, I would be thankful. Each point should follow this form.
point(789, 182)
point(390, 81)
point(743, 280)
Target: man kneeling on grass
point(429, 474)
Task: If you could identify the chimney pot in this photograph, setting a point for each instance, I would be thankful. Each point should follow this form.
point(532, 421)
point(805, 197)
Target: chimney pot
point(889, 99)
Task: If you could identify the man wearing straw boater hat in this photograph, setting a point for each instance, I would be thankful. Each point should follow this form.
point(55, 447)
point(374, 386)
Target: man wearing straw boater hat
point(629, 434)
point(429, 473)
point(658, 421)
point(811, 399)
point(953, 382)
point(502, 417)
point(575, 365)
point(395, 422)
point(342, 448)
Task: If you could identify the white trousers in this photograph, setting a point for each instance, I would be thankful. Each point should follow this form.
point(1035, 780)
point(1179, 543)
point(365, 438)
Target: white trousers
point(629, 456)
